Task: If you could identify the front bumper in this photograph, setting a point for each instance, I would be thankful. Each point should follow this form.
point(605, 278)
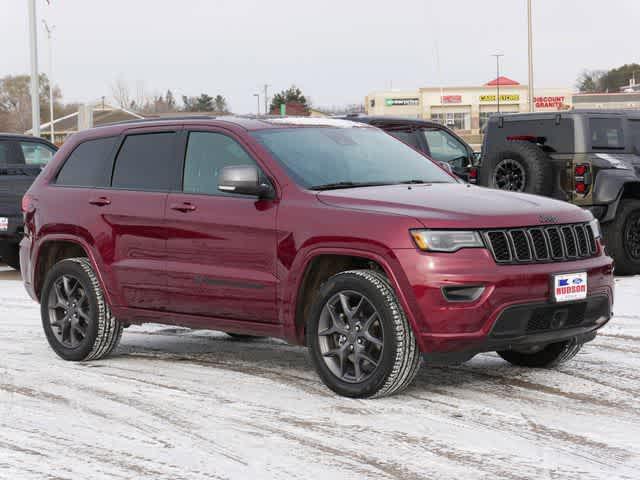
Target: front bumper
point(514, 298)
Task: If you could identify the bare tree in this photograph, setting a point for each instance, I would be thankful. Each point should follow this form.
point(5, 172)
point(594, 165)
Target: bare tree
point(120, 93)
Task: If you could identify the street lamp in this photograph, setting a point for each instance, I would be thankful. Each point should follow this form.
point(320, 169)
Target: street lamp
point(257, 95)
point(498, 55)
point(530, 54)
point(33, 47)
point(49, 30)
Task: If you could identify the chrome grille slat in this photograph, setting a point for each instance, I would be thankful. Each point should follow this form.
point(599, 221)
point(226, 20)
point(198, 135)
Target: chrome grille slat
point(557, 243)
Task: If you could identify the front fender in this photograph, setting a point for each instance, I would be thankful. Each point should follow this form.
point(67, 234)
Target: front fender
point(389, 263)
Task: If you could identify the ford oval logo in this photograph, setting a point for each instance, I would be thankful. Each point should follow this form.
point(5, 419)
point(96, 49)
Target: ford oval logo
point(548, 219)
point(577, 281)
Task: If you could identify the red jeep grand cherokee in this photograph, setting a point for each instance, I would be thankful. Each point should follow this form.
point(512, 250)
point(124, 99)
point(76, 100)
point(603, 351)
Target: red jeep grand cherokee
point(323, 232)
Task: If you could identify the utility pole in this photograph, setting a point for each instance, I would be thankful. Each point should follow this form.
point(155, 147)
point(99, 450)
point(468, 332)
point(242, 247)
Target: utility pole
point(498, 55)
point(530, 40)
point(35, 80)
point(49, 30)
point(266, 99)
point(257, 95)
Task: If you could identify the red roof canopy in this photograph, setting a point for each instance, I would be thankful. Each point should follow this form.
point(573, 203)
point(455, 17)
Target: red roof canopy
point(501, 81)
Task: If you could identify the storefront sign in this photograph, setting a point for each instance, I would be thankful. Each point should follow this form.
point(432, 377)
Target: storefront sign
point(452, 99)
point(401, 102)
point(549, 102)
point(503, 98)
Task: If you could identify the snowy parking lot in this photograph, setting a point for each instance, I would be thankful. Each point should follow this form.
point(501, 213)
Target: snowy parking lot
point(179, 404)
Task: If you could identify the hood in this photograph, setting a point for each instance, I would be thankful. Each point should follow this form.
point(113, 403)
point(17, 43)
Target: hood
point(455, 205)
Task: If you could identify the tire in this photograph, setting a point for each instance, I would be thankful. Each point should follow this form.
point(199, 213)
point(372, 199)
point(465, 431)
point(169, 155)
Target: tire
point(395, 352)
point(550, 356)
point(621, 234)
point(94, 332)
point(241, 336)
point(11, 256)
point(531, 169)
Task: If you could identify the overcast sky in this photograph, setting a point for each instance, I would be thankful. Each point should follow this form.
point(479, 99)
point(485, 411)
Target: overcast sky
point(335, 50)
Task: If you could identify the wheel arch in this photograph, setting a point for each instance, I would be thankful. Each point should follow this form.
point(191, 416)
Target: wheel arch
point(321, 264)
point(55, 248)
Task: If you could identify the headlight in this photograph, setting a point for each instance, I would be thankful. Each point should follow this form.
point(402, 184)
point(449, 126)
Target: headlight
point(446, 240)
point(595, 227)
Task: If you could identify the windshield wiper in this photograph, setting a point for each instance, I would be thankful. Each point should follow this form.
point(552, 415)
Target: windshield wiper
point(418, 181)
point(337, 185)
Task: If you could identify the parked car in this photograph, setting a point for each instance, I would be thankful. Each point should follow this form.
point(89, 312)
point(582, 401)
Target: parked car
point(433, 139)
point(21, 160)
point(301, 228)
point(588, 158)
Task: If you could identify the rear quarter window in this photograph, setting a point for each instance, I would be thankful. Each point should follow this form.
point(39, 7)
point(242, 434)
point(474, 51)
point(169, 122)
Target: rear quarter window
point(606, 134)
point(89, 165)
point(36, 153)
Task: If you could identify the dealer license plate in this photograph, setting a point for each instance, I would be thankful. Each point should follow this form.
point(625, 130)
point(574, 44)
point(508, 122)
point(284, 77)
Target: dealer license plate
point(570, 286)
point(4, 224)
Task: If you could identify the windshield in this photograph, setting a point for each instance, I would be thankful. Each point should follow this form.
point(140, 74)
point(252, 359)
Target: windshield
point(326, 157)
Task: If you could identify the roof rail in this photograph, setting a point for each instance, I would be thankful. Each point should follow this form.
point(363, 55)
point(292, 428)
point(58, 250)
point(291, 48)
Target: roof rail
point(160, 119)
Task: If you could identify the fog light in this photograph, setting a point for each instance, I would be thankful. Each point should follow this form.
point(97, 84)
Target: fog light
point(462, 293)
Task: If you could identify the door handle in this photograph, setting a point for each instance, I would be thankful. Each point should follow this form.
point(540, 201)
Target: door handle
point(183, 207)
point(100, 201)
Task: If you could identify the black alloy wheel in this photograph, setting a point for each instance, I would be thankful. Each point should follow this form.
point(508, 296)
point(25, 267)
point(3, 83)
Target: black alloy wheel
point(350, 336)
point(510, 175)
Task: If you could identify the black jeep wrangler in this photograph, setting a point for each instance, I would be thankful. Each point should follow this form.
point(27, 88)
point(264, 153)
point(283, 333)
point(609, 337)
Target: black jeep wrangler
point(22, 157)
point(588, 158)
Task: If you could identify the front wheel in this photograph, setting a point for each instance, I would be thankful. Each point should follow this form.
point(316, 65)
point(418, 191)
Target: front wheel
point(549, 356)
point(359, 339)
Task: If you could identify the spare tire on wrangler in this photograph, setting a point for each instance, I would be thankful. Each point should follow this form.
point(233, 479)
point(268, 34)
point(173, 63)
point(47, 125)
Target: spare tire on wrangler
point(521, 167)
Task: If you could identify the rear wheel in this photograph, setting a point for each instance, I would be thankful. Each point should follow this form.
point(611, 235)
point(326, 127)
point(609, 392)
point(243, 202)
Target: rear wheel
point(549, 356)
point(76, 319)
point(521, 167)
point(359, 339)
point(622, 237)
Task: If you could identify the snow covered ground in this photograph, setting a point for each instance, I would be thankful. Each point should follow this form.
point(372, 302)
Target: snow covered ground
point(173, 403)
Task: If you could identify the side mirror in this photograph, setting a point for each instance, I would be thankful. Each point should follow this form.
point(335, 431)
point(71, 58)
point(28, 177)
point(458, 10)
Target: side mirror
point(447, 167)
point(244, 180)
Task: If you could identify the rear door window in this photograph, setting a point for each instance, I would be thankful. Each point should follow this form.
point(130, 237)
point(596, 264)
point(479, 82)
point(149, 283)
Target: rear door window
point(36, 153)
point(146, 162)
point(89, 165)
point(606, 134)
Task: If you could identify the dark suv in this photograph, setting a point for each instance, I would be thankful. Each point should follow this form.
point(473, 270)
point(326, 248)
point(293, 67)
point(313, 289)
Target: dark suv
point(327, 233)
point(588, 158)
point(21, 160)
point(433, 139)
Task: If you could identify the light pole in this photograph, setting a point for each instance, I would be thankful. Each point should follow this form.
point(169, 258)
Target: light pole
point(498, 55)
point(530, 41)
point(257, 95)
point(266, 100)
point(33, 47)
point(49, 30)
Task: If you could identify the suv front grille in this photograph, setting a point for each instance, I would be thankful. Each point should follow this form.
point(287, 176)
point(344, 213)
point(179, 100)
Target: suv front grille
point(541, 244)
